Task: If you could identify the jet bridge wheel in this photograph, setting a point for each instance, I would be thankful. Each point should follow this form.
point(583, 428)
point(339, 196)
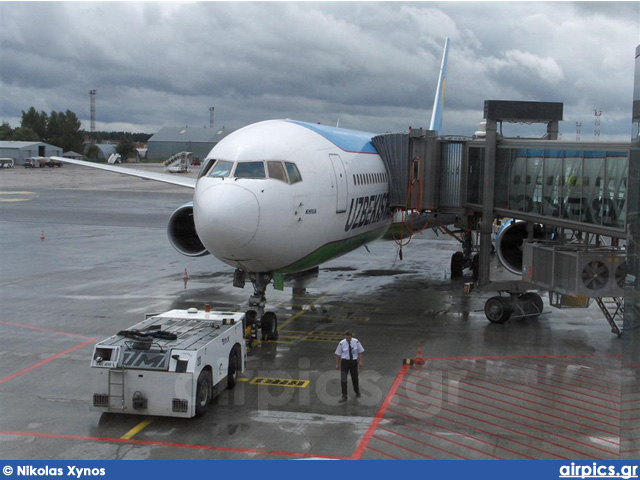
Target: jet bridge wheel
point(498, 309)
point(203, 392)
point(532, 304)
point(269, 323)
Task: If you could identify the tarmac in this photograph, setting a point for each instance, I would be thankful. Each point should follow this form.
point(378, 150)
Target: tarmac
point(85, 254)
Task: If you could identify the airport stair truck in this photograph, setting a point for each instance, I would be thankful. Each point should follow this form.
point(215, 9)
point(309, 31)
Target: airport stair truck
point(172, 364)
point(179, 163)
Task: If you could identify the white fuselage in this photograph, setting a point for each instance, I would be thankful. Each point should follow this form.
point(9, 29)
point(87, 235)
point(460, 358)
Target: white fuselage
point(280, 223)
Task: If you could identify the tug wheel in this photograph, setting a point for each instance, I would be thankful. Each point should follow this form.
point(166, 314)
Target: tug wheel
point(203, 393)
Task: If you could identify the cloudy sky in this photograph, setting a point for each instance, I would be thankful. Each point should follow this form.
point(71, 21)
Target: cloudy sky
point(372, 65)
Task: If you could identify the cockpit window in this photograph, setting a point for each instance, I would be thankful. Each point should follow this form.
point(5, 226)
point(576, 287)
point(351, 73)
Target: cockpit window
point(206, 166)
point(250, 170)
point(294, 174)
point(222, 168)
point(276, 170)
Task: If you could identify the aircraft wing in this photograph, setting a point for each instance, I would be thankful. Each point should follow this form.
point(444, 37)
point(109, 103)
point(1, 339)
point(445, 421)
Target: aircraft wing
point(158, 177)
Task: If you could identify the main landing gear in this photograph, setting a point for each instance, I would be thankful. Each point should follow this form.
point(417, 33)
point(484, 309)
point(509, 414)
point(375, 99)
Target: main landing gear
point(499, 309)
point(256, 315)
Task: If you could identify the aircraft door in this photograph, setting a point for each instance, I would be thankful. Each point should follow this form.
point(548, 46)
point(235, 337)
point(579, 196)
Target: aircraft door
point(340, 177)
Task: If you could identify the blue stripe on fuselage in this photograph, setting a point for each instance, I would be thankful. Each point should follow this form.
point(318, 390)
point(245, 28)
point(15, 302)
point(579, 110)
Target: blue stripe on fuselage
point(347, 140)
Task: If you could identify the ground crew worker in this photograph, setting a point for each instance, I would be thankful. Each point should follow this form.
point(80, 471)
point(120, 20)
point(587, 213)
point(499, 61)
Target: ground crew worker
point(348, 355)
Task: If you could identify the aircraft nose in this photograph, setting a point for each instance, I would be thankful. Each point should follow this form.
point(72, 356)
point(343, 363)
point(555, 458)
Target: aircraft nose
point(226, 218)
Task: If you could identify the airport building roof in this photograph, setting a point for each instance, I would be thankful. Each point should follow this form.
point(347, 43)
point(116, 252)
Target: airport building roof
point(186, 134)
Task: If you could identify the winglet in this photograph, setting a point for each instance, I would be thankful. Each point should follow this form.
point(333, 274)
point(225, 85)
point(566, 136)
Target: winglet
point(438, 102)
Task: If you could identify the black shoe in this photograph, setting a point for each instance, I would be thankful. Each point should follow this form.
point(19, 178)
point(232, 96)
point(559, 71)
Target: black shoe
point(358, 395)
point(343, 399)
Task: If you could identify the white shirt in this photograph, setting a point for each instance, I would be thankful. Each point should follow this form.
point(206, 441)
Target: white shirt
point(343, 349)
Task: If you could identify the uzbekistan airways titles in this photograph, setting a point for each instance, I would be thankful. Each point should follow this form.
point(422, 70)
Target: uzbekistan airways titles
point(367, 210)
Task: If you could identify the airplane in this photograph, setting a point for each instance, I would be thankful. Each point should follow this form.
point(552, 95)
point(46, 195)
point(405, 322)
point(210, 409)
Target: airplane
point(282, 196)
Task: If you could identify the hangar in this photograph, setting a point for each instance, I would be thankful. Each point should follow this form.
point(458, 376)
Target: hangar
point(171, 140)
point(21, 150)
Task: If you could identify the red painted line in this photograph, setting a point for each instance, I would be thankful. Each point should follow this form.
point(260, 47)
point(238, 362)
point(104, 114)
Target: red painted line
point(521, 406)
point(502, 386)
point(564, 382)
point(596, 378)
point(466, 435)
point(507, 357)
point(383, 453)
point(45, 361)
point(502, 427)
point(613, 397)
point(361, 447)
point(39, 329)
point(544, 432)
point(397, 445)
point(169, 444)
point(415, 440)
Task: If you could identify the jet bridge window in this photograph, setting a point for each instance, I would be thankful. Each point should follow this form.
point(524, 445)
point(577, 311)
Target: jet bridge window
point(250, 170)
point(222, 168)
point(294, 174)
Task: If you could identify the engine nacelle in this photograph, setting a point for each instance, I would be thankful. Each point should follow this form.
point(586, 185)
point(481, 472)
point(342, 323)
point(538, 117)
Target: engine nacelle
point(182, 232)
point(509, 242)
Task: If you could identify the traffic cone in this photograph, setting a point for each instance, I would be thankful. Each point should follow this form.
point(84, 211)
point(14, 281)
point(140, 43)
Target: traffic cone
point(419, 360)
point(42, 236)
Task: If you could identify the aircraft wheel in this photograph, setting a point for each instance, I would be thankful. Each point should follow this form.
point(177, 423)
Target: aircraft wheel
point(269, 324)
point(457, 264)
point(234, 367)
point(532, 303)
point(203, 393)
point(475, 266)
point(498, 309)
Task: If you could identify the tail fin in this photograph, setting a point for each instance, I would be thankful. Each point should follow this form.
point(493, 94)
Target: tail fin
point(438, 102)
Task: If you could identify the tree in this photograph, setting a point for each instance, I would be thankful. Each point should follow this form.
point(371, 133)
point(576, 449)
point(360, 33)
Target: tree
point(25, 134)
point(93, 152)
point(6, 132)
point(125, 146)
point(38, 122)
point(64, 131)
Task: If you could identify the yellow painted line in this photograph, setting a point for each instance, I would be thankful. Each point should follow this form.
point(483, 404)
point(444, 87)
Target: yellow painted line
point(242, 379)
point(28, 196)
point(291, 319)
point(280, 382)
point(294, 331)
point(138, 428)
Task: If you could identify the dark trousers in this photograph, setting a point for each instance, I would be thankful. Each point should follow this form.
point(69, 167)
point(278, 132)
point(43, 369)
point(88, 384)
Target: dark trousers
point(346, 367)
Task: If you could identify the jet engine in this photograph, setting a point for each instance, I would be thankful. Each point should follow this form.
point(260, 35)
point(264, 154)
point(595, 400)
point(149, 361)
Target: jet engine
point(182, 232)
point(509, 242)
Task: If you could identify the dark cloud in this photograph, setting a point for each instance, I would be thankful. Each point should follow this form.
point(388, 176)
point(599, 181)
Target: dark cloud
point(373, 65)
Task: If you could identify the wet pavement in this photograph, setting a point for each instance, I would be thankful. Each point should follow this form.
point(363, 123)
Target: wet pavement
point(543, 388)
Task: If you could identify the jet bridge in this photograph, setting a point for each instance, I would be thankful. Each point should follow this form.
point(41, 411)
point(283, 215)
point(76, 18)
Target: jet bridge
point(570, 196)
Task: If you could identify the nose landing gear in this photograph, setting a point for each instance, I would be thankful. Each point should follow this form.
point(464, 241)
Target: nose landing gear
point(267, 321)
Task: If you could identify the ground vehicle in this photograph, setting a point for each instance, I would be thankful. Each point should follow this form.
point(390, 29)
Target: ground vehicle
point(172, 364)
point(33, 162)
point(6, 162)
